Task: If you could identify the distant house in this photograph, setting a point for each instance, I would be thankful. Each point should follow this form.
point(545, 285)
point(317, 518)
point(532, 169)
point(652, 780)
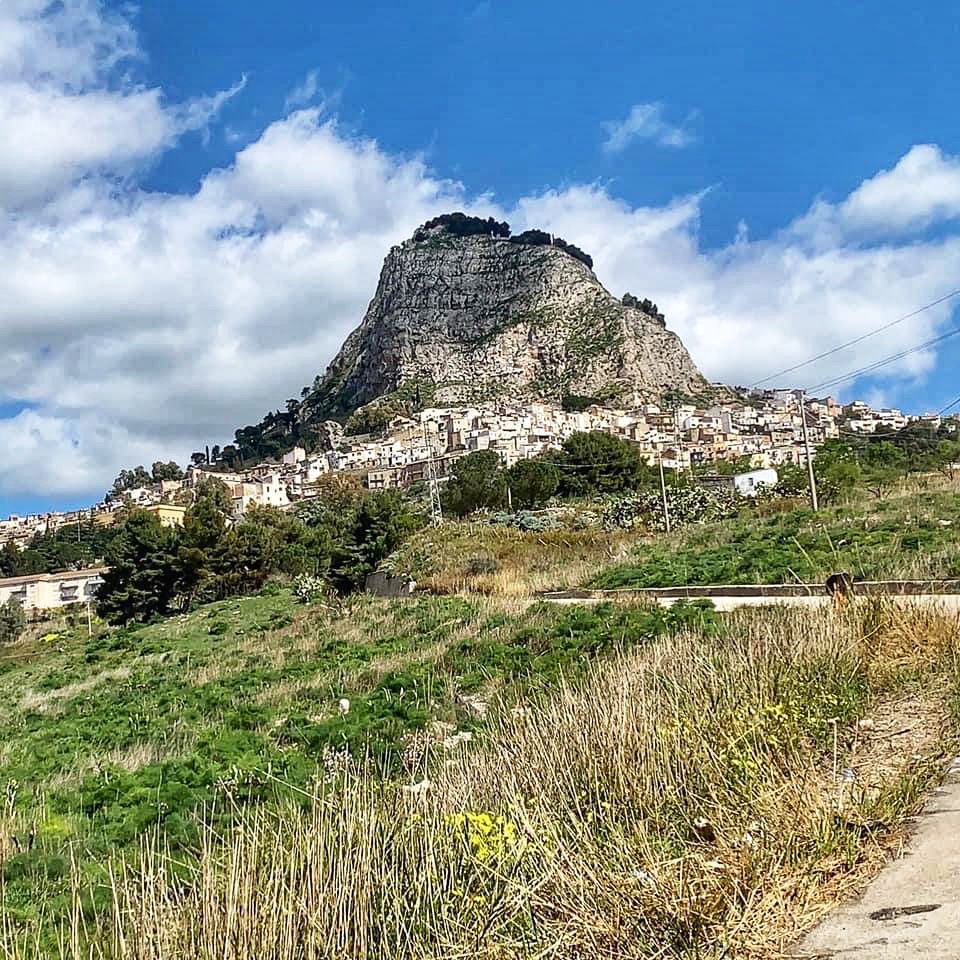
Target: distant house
point(169, 514)
point(745, 484)
point(48, 591)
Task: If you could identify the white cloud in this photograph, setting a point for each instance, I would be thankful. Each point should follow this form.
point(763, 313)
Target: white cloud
point(755, 307)
point(61, 116)
point(923, 188)
point(83, 447)
point(138, 326)
point(645, 121)
point(304, 92)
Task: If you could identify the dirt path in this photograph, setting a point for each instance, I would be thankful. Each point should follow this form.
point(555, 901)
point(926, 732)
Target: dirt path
point(912, 909)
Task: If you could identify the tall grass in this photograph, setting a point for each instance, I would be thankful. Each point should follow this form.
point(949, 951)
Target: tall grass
point(488, 560)
point(684, 801)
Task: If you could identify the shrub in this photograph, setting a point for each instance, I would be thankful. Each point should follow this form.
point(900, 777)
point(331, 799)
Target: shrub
point(576, 403)
point(574, 251)
point(477, 481)
point(686, 505)
point(460, 225)
point(13, 621)
point(307, 588)
point(598, 462)
point(533, 482)
point(538, 238)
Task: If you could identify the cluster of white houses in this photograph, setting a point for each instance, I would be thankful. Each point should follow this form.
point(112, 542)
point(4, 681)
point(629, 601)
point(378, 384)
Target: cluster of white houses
point(766, 427)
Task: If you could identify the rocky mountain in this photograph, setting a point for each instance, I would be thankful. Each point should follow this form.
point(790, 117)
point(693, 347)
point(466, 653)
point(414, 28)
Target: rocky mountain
point(464, 312)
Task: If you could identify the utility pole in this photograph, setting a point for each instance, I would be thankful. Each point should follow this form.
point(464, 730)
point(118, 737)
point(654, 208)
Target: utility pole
point(663, 491)
point(814, 500)
point(436, 508)
point(679, 436)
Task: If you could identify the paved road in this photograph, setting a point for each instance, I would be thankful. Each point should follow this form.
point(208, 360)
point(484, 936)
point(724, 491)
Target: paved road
point(912, 910)
point(948, 603)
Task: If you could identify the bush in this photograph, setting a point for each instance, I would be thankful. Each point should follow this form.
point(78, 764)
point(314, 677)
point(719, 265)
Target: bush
point(13, 621)
point(532, 482)
point(308, 589)
point(686, 505)
point(574, 251)
point(538, 238)
point(376, 527)
point(460, 225)
point(477, 482)
point(575, 403)
point(598, 462)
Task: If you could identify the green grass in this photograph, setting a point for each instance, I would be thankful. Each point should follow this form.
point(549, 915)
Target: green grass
point(182, 729)
point(576, 827)
point(188, 722)
point(906, 534)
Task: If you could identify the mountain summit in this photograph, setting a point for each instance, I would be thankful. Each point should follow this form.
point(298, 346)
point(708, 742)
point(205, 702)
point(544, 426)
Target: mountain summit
point(466, 312)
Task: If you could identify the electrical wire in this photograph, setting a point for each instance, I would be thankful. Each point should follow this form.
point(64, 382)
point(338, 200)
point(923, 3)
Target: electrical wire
point(860, 339)
point(854, 374)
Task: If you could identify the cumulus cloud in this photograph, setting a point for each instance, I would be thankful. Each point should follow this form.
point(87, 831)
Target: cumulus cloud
point(754, 307)
point(645, 121)
point(63, 116)
point(923, 188)
point(137, 326)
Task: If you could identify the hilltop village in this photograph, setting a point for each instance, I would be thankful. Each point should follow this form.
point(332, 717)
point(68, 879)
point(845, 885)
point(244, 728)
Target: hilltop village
point(764, 426)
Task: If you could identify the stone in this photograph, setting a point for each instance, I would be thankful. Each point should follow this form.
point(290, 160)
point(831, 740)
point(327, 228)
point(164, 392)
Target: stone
point(467, 319)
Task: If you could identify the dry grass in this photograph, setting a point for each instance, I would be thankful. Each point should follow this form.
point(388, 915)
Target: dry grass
point(129, 759)
point(522, 563)
point(686, 801)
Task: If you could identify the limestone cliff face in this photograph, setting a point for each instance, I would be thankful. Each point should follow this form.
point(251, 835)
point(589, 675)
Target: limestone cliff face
point(477, 318)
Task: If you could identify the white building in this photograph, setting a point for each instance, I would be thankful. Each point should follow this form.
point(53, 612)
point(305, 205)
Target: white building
point(49, 591)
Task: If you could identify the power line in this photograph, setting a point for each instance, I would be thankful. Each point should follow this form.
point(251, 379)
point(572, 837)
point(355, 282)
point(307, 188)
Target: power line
point(952, 403)
point(854, 374)
point(860, 339)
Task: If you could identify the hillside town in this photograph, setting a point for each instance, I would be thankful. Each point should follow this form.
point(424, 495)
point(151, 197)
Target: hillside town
point(764, 426)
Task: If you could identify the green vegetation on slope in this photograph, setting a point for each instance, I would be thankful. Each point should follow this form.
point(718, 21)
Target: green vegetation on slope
point(188, 721)
point(912, 532)
point(680, 800)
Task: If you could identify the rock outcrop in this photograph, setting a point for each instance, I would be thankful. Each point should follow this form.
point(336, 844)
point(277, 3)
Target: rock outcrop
point(469, 318)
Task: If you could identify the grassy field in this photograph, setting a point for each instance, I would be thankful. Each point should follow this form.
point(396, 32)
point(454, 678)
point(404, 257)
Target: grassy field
point(108, 737)
point(913, 531)
point(507, 777)
point(487, 560)
point(472, 773)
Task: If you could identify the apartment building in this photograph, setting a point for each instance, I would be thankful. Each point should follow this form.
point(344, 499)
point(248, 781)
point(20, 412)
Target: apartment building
point(50, 591)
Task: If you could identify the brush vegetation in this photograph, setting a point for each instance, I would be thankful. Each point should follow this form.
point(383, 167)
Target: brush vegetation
point(637, 782)
point(475, 773)
point(911, 531)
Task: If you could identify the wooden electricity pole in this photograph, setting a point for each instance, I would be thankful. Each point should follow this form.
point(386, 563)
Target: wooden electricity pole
point(663, 490)
point(814, 500)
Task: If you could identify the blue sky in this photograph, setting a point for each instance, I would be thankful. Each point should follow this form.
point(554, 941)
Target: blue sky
point(195, 198)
